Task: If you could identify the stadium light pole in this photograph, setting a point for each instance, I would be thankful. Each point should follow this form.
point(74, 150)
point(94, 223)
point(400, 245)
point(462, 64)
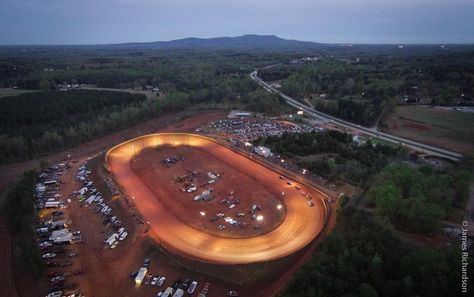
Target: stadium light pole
point(203, 214)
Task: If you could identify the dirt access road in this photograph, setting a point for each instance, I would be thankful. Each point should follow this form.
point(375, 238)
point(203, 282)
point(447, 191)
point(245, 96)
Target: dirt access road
point(301, 225)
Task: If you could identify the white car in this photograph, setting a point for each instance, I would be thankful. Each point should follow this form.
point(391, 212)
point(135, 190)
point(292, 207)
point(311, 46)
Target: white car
point(192, 287)
point(161, 281)
point(154, 281)
point(120, 231)
point(114, 245)
point(45, 244)
point(49, 255)
point(196, 198)
point(123, 236)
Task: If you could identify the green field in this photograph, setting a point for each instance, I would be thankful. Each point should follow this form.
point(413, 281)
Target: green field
point(443, 127)
point(11, 92)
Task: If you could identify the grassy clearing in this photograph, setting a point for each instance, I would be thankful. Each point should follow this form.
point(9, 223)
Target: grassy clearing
point(450, 129)
point(12, 92)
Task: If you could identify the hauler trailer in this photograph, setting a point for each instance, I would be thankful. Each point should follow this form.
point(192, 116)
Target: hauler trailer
point(140, 275)
point(178, 293)
point(50, 204)
point(112, 239)
point(167, 292)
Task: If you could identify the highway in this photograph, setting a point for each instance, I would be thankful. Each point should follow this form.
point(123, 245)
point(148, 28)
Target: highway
point(300, 226)
point(421, 147)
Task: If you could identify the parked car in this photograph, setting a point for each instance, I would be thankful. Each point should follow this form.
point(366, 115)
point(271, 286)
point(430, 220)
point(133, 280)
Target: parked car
point(192, 287)
point(161, 281)
point(123, 236)
point(205, 289)
point(49, 255)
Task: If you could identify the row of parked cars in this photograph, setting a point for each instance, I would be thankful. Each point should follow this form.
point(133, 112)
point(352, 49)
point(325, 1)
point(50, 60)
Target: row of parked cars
point(52, 233)
point(90, 196)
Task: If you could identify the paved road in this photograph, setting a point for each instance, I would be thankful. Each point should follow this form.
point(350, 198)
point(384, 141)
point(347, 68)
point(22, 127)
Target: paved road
point(421, 147)
point(300, 226)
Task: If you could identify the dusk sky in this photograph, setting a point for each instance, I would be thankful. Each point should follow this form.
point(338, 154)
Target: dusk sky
point(329, 21)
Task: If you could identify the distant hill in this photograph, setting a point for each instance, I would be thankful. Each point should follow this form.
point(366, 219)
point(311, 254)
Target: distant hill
point(244, 41)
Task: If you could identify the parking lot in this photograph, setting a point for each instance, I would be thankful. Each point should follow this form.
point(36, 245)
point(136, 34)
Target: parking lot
point(250, 129)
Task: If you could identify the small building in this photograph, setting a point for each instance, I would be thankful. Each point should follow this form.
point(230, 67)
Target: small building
point(239, 114)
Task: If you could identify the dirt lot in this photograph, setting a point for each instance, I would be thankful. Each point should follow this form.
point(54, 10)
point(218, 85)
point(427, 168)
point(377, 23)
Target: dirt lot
point(444, 128)
point(162, 180)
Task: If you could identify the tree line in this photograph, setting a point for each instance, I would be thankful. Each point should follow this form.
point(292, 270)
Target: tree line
point(18, 210)
point(416, 199)
point(363, 257)
point(334, 154)
point(37, 123)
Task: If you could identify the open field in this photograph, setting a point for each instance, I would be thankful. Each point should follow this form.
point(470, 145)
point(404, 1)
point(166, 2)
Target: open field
point(444, 128)
point(12, 92)
point(301, 225)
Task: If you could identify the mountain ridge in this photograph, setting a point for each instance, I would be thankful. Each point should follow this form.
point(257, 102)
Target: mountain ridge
point(243, 41)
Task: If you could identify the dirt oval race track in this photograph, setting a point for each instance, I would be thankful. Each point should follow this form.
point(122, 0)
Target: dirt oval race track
point(301, 225)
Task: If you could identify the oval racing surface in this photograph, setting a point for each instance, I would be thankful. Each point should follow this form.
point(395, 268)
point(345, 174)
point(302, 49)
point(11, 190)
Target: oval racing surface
point(301, 225)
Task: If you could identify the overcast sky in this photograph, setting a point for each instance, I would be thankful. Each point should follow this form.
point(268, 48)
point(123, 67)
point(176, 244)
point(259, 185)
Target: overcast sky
point(330, 21)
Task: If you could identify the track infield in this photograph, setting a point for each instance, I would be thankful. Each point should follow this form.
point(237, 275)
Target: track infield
point(300, 225)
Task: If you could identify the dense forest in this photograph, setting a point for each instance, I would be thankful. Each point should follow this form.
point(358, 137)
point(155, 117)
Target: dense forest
point(19, 212)
point(363, 257)
point(361, 88)
point(51, 120)
point(334, 154)
point(41, 122)
point(416, 199)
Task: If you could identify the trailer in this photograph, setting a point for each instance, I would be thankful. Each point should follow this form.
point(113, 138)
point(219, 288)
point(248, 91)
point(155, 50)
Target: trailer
point(178, 293)
point(90, 199)
point(52, 204)
point(167, 292)
point(50, 182)
point(112, 239)
point(141, 275)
